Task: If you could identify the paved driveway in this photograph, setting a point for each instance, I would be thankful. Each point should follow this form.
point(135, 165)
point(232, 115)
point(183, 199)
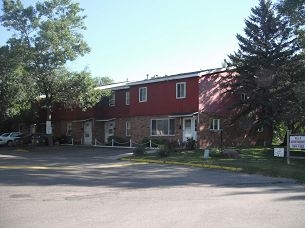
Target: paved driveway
point(88, 187)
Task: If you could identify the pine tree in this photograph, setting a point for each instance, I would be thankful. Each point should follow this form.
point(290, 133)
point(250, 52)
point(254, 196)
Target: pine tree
point(267, 64)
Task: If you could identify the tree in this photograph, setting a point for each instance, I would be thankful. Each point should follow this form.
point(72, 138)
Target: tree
point(49, 34)
point(294, 10)
point(15, 97)
point(268, 66)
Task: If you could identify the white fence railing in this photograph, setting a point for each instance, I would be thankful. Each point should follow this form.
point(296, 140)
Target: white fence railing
point(127, 144)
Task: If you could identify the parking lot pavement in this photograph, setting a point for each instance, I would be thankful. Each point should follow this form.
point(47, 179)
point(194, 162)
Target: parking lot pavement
point(87, 187)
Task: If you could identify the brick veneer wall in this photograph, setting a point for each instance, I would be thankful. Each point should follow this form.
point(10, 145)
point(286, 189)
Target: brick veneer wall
point(232, 134)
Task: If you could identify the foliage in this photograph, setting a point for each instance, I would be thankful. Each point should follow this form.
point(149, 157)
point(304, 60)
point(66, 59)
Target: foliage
point(48, 35)
point(295, 11)
point(14, 84)
point(269, 70)
point(167, 148)
point(138, 151)
point(191, 144)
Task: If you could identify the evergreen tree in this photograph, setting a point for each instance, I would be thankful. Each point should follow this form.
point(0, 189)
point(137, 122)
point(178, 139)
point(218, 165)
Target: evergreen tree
point(267, 66)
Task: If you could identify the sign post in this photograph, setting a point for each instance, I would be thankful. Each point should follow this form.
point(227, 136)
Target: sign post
point(288, 147)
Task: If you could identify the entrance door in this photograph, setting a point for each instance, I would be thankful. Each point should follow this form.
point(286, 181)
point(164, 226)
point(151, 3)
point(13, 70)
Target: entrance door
point(109, 130)
point(88, 133)
point(189, 128)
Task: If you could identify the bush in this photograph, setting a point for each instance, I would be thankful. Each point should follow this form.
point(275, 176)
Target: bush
point(163, 151)
point(139, 150)
point(191, 144)
point(167, 148)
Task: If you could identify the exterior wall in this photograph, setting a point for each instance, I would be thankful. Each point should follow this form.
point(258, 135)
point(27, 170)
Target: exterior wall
point(211, 97)
point(120, 109)
point(232, 134)
point(161, 98)
point(141, 128)
point(203, 95)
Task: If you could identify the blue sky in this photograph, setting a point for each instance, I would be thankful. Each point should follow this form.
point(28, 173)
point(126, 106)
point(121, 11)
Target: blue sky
point(132, 38)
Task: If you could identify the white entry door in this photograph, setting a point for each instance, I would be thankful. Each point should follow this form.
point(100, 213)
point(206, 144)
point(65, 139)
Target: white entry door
point(109, 130)
point(189, 128)
point(88, 133)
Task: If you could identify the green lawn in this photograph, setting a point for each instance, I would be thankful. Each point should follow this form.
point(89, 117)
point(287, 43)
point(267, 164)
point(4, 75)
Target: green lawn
point(253, 160)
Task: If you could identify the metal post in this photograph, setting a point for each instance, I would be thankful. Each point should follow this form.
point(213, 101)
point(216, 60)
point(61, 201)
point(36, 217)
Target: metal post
point(150, 144)
point(130, 143)
point(288, 147)
point(112, 142)
point(95, 142)
point(72, 142)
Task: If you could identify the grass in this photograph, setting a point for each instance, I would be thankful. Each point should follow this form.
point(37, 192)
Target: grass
point(252, 160)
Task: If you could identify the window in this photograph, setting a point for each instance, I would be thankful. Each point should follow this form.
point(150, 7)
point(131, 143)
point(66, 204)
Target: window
point(127, 98)
point(215, 124)
point(69, 129)
point(163, 127)
point(112, 99)
point(180, 90)
point(260, 129)
point(244, 97)
point(128, 128)
point(142, 94)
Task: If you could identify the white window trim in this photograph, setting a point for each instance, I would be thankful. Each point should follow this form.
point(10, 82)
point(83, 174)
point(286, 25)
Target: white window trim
point(168, 125)
point(260, 129)
point(244, 97)
point(143, 88)
point(126, 128)
point(181, 83)
point(127, 98)
point(212, 123)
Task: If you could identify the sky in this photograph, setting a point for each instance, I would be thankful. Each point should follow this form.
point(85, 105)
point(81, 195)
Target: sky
point(132, 38)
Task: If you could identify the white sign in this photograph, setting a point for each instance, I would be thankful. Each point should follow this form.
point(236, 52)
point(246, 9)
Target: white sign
point(297, 142)
point(48, 128)
point(279, 152)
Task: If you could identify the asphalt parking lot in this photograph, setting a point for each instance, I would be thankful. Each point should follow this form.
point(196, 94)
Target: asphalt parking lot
point(88, 187)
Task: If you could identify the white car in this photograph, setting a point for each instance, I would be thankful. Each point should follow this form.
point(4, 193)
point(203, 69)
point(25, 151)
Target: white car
point(9, 138)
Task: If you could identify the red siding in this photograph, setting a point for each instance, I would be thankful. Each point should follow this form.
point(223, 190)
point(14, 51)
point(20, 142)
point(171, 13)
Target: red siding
point(211, 96)
point(161, 98)
point(120, 109)
point(70, 115)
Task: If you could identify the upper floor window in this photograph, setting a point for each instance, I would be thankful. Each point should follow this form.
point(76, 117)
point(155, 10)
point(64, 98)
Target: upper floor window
point(112, 99)
point(260, 129)
point(244, 97)
point(142, 94)
point(127, 101)
point(180, 90)
point(215, 124)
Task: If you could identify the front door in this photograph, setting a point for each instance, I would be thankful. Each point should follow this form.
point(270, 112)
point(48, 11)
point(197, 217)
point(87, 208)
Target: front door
point(88, 133)
point(109, 130)
point(189, 129)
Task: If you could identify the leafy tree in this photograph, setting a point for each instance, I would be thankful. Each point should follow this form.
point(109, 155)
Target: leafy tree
point(14, 84)
point(49, 34)
point(268, 66)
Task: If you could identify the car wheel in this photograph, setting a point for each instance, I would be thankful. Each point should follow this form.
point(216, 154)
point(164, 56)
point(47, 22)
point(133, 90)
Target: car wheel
point(10, 143)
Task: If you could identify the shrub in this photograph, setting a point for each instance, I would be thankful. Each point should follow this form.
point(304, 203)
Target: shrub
point(191, 144)
point(163, 151)
point(167, 148)
point(139, 150)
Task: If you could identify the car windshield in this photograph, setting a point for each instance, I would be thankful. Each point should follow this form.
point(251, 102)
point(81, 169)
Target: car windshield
point(5, 135)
